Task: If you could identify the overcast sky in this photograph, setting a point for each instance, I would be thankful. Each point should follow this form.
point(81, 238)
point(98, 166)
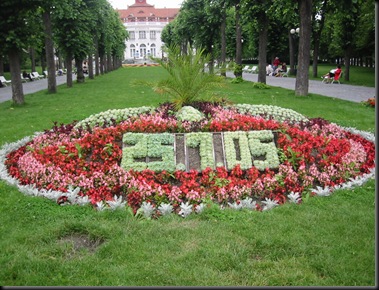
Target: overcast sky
point(123, 4)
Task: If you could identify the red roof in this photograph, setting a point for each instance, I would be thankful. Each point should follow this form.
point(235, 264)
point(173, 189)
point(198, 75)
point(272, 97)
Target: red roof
point(144, 10)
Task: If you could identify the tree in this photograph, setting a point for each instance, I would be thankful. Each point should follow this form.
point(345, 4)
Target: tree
point(319, 13)
point(238, 68)
point(73, 35)
point(345, 30)
point(187, 82)
point(49, 48)
point(302, 76)
point(15, 37)
point(259, 11)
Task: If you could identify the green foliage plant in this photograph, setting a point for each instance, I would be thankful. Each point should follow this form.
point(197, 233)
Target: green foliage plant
point(262, 144)
point(141, 145)
point(188, 81)
point(230, 151)
point(188, 113)
point(204, 141)
point(259, 85)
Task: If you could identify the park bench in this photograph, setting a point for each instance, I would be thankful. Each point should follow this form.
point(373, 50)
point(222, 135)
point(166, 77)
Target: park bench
point(4, 81)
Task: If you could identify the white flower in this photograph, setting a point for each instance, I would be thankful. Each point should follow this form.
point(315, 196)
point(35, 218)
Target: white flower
point(185, 209)
point(269, 204)
point(82, 200)
point(100, 205)
point(199, 208)
point(357, 181)
point(235, 205)
point(248, 203)
point(147, 209)
point(52, 194)
point(165, 208)
point(72, 194)
point(116, 202)
point(322, 191)
point(294, 197)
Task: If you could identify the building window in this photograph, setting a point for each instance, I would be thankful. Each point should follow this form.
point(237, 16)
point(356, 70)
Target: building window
point(132, 35)
point(142, 35)
point(142, 50)
point(132, 50)
point(153, 34)
point(153, 51)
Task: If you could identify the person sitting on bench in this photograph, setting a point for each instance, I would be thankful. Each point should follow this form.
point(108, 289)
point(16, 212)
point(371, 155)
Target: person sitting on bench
point(330, 75)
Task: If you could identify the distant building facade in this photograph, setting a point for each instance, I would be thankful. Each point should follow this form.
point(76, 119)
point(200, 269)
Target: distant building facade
point(144, 24)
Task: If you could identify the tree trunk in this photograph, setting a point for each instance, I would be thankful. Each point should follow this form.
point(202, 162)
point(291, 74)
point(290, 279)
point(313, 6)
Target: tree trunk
point(292, 53)
point(32, 58)
point(302, 75)
point(109, 62)
point(317, 37)
point(69, 82)
point(49, 46)
point(1, 66)
point(223, 42)
point(97, 66)
point(102, 64)
point(79, 71)
point(315, 57)
point(15, 68)
point(238, 69)
point(262, 50)
point(346, 72)
point(97, 63)
point(90, 66)
point(43, 59)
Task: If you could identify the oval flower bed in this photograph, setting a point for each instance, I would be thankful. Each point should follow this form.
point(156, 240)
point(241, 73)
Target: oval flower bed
point(82, 162)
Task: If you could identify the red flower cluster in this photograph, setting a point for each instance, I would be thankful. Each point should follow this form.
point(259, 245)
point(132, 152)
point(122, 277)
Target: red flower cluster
point(370, 102)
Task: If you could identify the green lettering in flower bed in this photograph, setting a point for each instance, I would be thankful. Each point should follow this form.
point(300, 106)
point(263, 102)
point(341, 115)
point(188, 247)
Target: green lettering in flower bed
point(261, 143)
point(161, 152)
point(204, 141)
point(148, 151)
point(237, 142)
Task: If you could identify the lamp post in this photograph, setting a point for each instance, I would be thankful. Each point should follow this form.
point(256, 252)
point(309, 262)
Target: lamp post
point(294, 34)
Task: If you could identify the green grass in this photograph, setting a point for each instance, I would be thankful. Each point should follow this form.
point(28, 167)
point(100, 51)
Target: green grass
point(326, 241)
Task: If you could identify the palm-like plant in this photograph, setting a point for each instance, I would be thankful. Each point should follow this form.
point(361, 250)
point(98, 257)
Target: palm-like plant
point(187, 82)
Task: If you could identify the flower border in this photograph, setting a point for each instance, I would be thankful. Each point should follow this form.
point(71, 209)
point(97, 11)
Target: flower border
point(72, 195)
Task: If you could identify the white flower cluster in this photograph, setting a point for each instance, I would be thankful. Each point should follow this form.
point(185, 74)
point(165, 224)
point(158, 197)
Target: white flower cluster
point(147, 209)
point(245, 203)
point(277, 113)
point(188, 113)
point(269, 204)
point(366, 135)
point(357, 181)
point(118, 115)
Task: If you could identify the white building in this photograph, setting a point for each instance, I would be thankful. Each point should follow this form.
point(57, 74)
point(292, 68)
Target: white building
point(144, 24)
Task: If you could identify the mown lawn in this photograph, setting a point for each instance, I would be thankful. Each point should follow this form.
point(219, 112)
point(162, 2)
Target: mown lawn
point(325, 241)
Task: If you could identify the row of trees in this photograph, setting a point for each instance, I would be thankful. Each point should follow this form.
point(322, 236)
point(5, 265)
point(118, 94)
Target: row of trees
point(234, 29)
point(74, 30)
